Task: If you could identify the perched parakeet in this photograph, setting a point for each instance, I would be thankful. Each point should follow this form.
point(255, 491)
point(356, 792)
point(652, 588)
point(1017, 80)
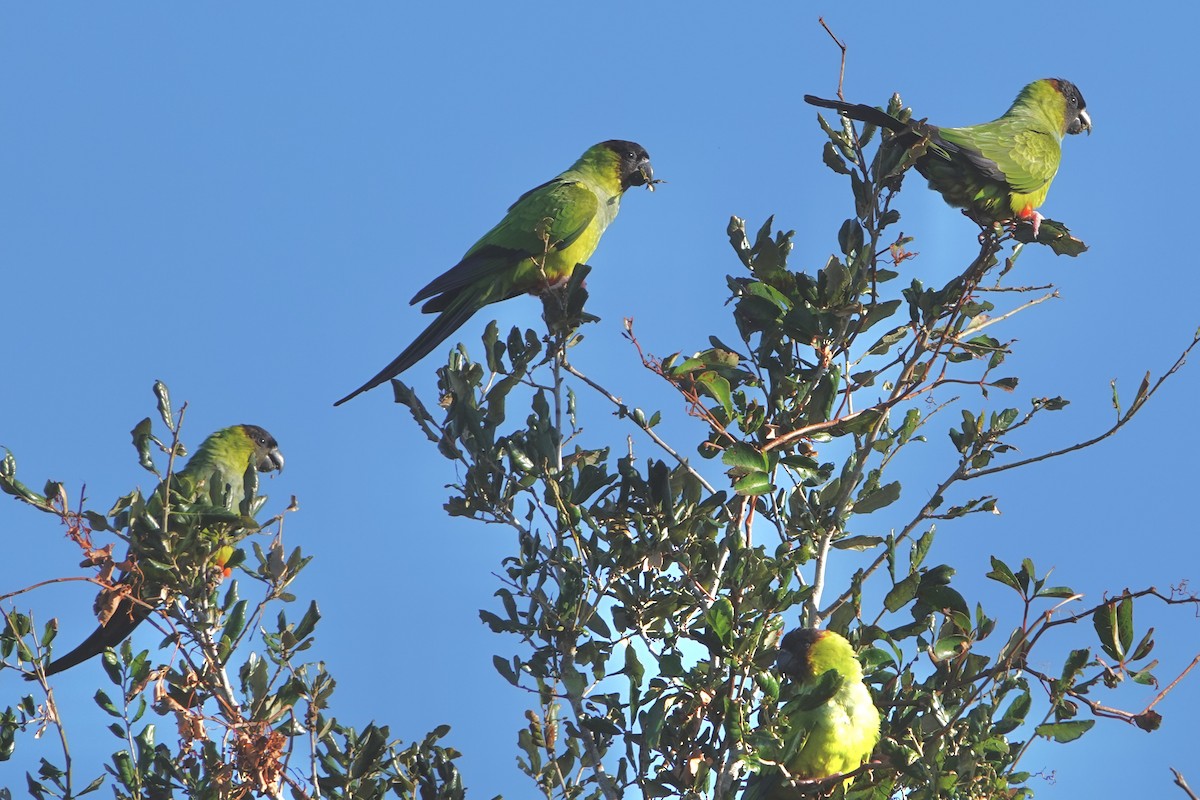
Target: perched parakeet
point(549, 230)
point(832, 725)
point(219, 477)
point(997, 171)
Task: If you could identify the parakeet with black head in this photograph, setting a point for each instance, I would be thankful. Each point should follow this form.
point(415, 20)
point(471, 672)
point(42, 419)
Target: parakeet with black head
point(998, 171)
point(832, 724)
point(218, 482)
point(546, 233)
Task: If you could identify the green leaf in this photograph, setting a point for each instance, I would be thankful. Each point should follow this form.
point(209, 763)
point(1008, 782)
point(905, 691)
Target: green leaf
point(164, 404)
point(505, 669)
point(596, 624)
point(1003, 574)
point(879, 498)
point(1014, 715)
point(887, 340)
point(753, 485)
point(878, 312)
point(745, 458)
point(1113, 622)
point(1125, 623)
point(942, 598)
point(143, 437)
point(633, 667)
point(834, 161)
point(670, 665)
point(902, 593)
point(1144, 646)
point(235, 623)
point(1053, 234)
point(652, 722)
point(921, 548)
point(102, 699)
point(1145, 677)
point(859, 543)
point(720, 620)
point(718, 388)
point(124, 768)
point(950, 647)
point(574, 681)
point(308, 622)
point(1064, 732)
point(850, 237)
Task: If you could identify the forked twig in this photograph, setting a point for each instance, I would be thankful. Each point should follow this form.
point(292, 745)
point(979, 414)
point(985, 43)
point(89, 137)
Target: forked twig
point(841, 46)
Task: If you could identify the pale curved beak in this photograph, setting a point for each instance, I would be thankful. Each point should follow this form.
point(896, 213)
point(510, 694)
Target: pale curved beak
point(271, 461)
point(1084, 122)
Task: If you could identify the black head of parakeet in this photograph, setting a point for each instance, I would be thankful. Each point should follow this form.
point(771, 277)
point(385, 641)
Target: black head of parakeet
point(267, 457)
point(793, 653)
point(634, 163)
point(1077, 119)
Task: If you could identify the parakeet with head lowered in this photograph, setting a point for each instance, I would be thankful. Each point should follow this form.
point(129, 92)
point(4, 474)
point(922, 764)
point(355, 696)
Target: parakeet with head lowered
point(832, 725)
point(997, 171)
point(218, 482)
point(549, 230)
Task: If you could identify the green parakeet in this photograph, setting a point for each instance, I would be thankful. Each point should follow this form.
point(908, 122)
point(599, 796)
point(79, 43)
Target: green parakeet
point(831, 723)
point(997, 171)
point(549, 230)
point(216, 487)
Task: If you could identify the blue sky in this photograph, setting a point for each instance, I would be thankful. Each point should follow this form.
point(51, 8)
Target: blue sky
point(239, 200)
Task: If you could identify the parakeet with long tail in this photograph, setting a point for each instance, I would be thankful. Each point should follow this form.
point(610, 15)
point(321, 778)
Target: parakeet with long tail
point(998, 171)
point(217, 483)
point(546, 233)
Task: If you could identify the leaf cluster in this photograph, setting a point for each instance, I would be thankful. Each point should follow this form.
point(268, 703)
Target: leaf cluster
point(648, 593)
point(255, 734)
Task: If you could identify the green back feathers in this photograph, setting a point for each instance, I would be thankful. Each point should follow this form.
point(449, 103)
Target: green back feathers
point(1002, 169)
point(547, 232)
point(828, 650)
point(210, 500)
point(223, 470)
point(828, 722)
point(997, 171)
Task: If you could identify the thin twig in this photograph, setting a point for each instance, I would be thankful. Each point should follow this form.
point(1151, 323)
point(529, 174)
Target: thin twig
point(1174, 683)
point(1139, 400)
point(624, 411)
point(166, 481)
point(842, 47)
point(975, 328)
point(1182, 784)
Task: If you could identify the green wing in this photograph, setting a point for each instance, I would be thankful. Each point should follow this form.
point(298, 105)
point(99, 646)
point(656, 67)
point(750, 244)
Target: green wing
point(558, 210)
point(1026, 159)
point(220, 472)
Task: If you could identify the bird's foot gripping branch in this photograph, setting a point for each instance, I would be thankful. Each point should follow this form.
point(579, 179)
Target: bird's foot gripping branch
point(650, 582)
point(997, 172)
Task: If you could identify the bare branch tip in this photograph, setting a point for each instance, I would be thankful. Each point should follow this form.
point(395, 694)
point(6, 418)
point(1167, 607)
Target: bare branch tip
point(841, 46)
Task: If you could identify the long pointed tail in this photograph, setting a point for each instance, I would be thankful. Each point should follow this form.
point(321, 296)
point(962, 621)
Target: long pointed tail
point(127, 617)
point(438, 331)
point(858, 111)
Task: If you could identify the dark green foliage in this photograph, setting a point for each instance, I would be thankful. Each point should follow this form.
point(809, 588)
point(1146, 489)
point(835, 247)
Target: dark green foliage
point(649, 584)
point(226, 737)
point(681, 579)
